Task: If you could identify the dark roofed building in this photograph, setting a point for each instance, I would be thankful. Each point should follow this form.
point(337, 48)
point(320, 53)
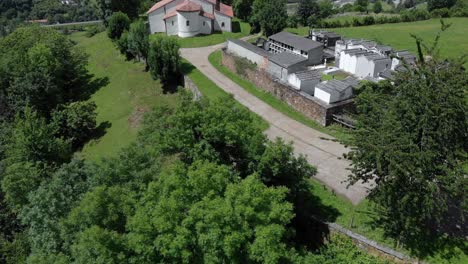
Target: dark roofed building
point(286, 60)
point(288, 42)
point(328, 39)
point(305, 80)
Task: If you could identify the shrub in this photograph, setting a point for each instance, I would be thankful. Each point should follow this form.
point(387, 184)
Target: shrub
point(292, 21)
point(118, 23)
point(122, 45)
point(368, 20)
point(164, 59)
point(441, 12)
point(357, 22)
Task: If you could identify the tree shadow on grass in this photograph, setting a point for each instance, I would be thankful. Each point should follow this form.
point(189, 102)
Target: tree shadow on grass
point(92, 86)
point(96, 134)
point(186, 68)
point(235, 27)
point(443, 244)
point(310, 217)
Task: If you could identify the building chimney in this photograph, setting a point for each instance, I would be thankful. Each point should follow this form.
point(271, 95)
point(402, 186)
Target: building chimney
point(218, 4)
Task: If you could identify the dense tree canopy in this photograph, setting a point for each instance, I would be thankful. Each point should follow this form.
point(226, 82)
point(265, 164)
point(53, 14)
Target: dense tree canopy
point(436, 4)
point(306, 9)
point(242, 8)
point(269, 15)
point(42, 69)
point(107, 7)
point(412, 141)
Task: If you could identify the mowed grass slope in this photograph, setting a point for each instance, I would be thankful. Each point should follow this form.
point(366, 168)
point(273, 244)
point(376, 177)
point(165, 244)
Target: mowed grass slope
point(453, 43)
point(129, 93)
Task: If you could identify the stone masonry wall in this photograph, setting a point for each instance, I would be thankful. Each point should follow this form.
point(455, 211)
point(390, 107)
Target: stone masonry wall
point(191, 86)
point(300, 101)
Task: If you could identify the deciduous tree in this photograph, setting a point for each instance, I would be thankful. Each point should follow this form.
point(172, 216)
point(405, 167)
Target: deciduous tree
point(411, 141)
point(118, 23)
point(164, 59)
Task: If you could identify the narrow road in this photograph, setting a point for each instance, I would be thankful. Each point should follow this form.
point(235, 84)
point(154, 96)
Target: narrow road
point(321, 151)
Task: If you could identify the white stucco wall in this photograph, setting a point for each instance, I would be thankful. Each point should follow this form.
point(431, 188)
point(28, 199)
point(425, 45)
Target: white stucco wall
point(322, 95)
point(206, 25)
point(294, 81)
point(219, 19)
point(172, 26)
point(364, 67)
point(245, 53)
point(193, 28)
point(156, 21)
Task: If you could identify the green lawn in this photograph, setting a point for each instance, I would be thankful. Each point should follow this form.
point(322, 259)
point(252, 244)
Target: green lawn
point(122, 102)
point(336, 131)
point(240, 29)
point(453, 43)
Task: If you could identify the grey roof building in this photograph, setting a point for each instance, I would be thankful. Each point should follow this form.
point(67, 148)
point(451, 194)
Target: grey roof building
point(305, 80)
point(291, 43)
point(333, 91)
point(286, 59)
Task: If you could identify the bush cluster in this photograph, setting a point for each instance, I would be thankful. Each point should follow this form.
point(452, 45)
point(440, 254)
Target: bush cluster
point(406, 15)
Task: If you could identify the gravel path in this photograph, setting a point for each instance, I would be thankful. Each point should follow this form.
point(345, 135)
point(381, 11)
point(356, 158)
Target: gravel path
point(321, 149)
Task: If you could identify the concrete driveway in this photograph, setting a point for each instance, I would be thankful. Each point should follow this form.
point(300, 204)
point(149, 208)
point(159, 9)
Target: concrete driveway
point(320, 149)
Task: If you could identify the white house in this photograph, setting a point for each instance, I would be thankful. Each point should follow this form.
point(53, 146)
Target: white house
point(188, 18)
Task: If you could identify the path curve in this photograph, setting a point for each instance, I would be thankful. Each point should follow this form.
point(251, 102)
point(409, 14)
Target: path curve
point(320, 149)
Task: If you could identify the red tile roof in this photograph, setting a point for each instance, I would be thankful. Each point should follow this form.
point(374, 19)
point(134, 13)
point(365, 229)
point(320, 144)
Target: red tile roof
point(171, 14)
point(226, 10)
point(188, 6)
point(208, 15)
point(158, 5)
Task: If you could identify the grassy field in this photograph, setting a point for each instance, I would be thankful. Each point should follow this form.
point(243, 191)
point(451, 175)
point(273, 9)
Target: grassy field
point(336, 131)
point(129, 91)
point(240, 29)
point(453, 43)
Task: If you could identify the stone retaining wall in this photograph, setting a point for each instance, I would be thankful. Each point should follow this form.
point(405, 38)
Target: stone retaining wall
point(300, 101)
point(191, 86)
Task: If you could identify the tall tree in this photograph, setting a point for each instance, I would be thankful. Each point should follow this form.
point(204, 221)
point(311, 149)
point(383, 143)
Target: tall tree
point(108, 7)
point(306, 9)
point(435, 4)
point(40, 68)
point(32, 152)
point(242, 8)
point(138, 40)
point(377, 7)
point(270, 15)
point(361, 5)
point(411, 139)
point(164, 59)
point(117, 24)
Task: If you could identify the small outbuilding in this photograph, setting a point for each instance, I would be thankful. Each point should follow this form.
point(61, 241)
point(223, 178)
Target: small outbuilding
point(305, 80)
point(282, 64)
point(334, 91)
